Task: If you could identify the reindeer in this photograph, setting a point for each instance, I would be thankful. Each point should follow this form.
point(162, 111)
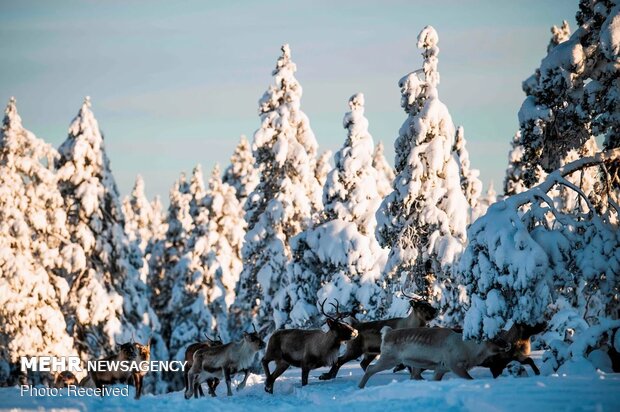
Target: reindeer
point(64, 379)
point(305, 349)
point(439, 349)
point(189, 358)
point(130, 352)
point(144, 355)
point(226, 360)
point(519, 337)
point(368, 341)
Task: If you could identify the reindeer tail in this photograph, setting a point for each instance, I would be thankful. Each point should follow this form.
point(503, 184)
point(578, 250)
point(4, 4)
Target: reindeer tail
point(384, 331)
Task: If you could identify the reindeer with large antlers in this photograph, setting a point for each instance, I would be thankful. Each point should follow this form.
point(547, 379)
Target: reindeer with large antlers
point(305, 349)
point(368, 341)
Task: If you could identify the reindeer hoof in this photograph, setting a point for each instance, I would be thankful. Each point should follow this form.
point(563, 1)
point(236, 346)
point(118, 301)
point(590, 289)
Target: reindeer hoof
point(187, 396)
point(269, 389)
point(325, 376)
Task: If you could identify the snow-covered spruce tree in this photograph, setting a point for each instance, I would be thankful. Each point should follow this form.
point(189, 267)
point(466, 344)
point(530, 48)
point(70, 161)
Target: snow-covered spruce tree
point(166, 256)
point(322, 167)
point(201, 296)
point(155, 252)
point(108, 303)
point(558, 35)
point(196, 192)
point(187, 309)
point(242, 173)
point(423, 219)
point(226, 220)
point(32, 232)
point(139, 222)
point(484, 202)
point(146, 231)
point(385, 172)
point(340, 259)
point(514, 181)
point(283, 204)
point(470, 184)
point(573, 96)
point(528, 261)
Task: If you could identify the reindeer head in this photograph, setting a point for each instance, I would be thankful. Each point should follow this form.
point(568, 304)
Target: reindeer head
point(64, 379)
point(253, 339)
point(423, 309)
point(143, 351)
point(420, 307)
point(127, 351)
point(344, 332)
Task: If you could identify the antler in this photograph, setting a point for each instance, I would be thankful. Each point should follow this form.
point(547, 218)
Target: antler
point(254, 327)
point(337, 309)
point(323, 311)
point(208, 338)
point(411, 297)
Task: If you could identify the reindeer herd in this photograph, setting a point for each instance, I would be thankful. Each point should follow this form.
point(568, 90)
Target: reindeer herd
point(400, 343)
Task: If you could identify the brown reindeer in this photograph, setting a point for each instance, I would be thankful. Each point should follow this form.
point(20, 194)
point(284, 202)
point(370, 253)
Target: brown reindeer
point(439, 349)
point(305, 349)
point(228, 359)
point(519, 337)
point(368, 340)
point(129, 352)
point(189, 358)
point(144, 355)
point(64, 379)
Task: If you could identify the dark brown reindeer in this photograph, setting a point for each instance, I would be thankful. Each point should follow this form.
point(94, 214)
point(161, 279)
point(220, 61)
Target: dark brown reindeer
point(305, 349)
point(440, 349)
point(519, 337)
point(226, 360)
point(130, 352)
point(189, 358)
point(368, 341)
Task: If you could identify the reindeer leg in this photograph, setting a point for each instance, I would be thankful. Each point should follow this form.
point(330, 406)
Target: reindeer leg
point(498, 366)
point(305, 371)
point(382, 364)
point(198, 388)
point(228, 383)
point(265, 364)
point(213, 386)
point(137, 380)
point(461, 372)
point(368, 358)
point(438, 375)
point(415, 373)
point(398, 368)
point(281, 367)
point(354, 350)
point(97, 382)
point(210, 382)
point(245, 379)
point(192, 381)
point(529, 361)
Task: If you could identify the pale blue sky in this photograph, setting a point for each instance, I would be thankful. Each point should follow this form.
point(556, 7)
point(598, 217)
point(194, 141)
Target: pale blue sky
point(175, 83)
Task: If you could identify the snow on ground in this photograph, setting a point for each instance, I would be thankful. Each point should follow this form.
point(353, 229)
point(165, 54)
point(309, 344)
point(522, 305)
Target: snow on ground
point(385, 391)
